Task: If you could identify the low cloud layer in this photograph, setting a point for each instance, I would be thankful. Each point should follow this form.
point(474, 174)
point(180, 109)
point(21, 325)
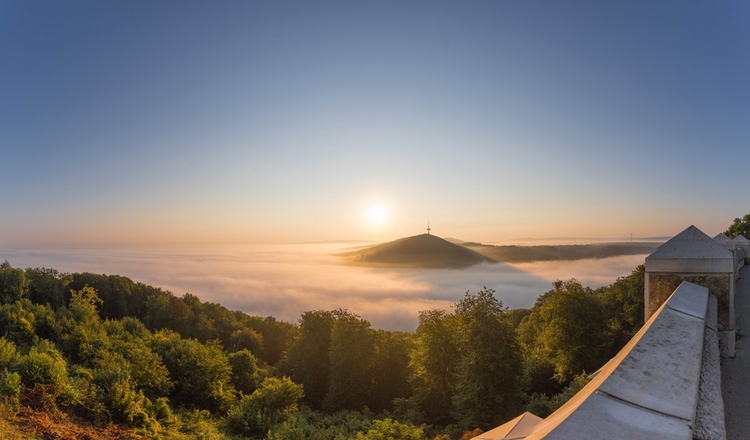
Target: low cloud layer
point(284, 281)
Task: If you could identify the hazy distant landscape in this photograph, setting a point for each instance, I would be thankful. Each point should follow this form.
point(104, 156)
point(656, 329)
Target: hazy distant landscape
point(285, 280)
point(430, 251)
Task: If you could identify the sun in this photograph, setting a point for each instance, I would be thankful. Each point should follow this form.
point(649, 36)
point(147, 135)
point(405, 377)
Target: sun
point(377, 214)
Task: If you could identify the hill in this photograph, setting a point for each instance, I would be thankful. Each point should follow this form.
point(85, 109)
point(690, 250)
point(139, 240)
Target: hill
point(525, 254)
point(431, 251)
point(425, 250)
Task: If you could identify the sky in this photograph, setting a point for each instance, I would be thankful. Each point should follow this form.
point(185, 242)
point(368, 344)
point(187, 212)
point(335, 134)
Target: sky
point(142, 123)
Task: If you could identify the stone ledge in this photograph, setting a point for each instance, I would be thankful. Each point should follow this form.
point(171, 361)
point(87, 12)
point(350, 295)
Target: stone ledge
point(651, 388)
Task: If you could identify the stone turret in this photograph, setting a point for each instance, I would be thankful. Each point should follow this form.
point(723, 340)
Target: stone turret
point(731, 246)
point(743, 244)
point(693, 256)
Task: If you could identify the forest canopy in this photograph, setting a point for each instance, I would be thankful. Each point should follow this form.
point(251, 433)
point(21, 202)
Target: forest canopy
point(106, 350)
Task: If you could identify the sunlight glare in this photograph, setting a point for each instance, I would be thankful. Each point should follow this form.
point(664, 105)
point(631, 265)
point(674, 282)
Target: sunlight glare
point(377, 214)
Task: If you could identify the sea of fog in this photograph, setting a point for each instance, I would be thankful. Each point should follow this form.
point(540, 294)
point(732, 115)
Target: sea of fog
point(285, 280)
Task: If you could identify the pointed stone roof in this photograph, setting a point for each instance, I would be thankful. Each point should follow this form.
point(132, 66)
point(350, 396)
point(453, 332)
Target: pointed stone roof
point(516, 429)
point(726, 242)
point(690, 251)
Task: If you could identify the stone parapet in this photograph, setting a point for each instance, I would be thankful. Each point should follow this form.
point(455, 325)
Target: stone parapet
point(652, 388)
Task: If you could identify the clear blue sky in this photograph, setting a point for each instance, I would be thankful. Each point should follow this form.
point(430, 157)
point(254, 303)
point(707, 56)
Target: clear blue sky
point(142, 122)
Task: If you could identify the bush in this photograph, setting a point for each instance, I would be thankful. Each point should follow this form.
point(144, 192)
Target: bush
point(201, 372)
point(43, 365)
point(272, 403)
point(13, 284)
point(387, 429)
point(10, 385)
point(244, 371)
point(44, 373)
point(8, 353)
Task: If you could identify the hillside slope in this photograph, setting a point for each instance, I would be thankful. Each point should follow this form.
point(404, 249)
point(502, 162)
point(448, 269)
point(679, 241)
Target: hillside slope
point(525, 254)
point(425, 250)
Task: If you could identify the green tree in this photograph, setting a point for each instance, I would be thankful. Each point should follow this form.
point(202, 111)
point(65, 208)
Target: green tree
point(568, 328)
point(147, 370)
point(274, 402)
point(13, 284)
point(18, 322)
point(116, 292)
point(308, 360)
point(434, 363)
point(278, 336)
point(488, 387)
point(390, 371)
point(351, 356)
point(388, 429)
point(125, 404)
point(165, 311)
point(83, 305)
point(45, 369)
point(244, 371)
point(622, 303)
point(8, 353)
point(83, 337)
point(740, 226)
point(247, 338)
point(201, 372)
point(47, 286)
point(543, 406)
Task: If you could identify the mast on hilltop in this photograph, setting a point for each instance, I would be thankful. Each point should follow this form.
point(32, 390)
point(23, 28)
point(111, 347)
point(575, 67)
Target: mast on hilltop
point(428, 227)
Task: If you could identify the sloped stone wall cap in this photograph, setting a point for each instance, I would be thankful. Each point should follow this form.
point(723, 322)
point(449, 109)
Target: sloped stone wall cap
point(690, 299)
point(602, 417)
point(662, 372)
point(692, 243)
point(650, 388)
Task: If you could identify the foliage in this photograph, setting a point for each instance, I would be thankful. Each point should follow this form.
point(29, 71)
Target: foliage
point(740, 226)
point(434, 363)
point(517, 315)
point(488, 385)
point(83, 304)
point(568, 328)
point(388, 429)
point(274, 402)
point(308, 360)
point(47, 286)
point(43, 365)
point(44, 369)
point(314, 425)
point(8, 353)
point(13, 284)
point(115, 351)
point(245, 372)
point(201, 372)
point(542, 406)
point(390, 370)
point(351, 361)
point(10, 385)
point(147, 370)
point(622, 303)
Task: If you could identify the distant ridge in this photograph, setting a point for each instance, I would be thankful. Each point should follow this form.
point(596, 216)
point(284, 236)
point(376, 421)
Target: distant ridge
point(525, 254)
point(431, 251)
point(425, 251)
